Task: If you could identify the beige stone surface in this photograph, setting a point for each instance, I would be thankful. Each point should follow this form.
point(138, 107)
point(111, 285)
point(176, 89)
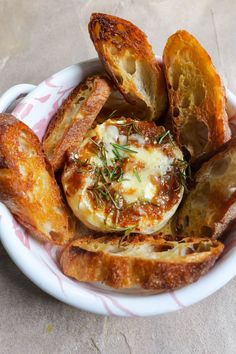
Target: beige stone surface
point(38, 38)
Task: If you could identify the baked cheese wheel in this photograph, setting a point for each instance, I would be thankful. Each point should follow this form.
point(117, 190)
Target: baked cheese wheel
point(126, 175)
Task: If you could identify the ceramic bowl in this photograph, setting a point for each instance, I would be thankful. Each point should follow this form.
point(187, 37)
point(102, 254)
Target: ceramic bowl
point(39, 262)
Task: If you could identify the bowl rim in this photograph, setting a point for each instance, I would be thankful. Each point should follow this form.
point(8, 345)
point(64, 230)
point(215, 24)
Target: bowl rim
point(220, 274)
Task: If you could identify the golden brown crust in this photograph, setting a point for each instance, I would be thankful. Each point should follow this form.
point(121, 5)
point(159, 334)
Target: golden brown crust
point(129, 60)
point(75, 116)
point(210, 205)
point(196, 95)
point(105, 261)
point(27, 186)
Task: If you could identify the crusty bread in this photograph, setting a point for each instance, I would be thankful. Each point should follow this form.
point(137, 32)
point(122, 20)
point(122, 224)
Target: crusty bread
point(196, 95)
point(129, 60)
point(211, 204)
point(145, 261)
point(27, 187)
point(74, 118)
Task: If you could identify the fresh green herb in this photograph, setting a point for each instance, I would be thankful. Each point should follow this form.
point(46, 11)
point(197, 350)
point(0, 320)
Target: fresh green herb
point(180, 168)
point(126, 236)
point(111, 198)
point(101, 149)
point(123, 148)
point(75, 158)
point(132, 127)
point(136, 129)
point(117, 174)
point(182, 179)
point(123, 179)
point(112, 114)
point(96, 194)
point(106, 174)
point(181, 163)
point(95, 143)
point(102, 155)
point(184, 165)
point(137, 175)
point(129, 132)
point(117, 216)
point(100, 192)
point(117, 154)
point(161, 137)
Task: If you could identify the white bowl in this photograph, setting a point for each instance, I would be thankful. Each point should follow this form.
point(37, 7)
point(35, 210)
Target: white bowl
point(39, 263)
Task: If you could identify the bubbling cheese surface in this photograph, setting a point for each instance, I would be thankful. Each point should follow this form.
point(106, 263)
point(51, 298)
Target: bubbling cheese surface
point(125, 176)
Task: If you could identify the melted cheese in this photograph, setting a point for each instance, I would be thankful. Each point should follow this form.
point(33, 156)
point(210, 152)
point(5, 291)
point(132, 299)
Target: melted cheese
point(155, 163)
point(143, 172)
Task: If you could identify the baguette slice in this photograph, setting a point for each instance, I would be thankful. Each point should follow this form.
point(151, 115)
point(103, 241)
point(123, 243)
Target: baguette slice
point(196, 95)
point(145, 261)
point(211, 204)
point(75, 116)
point(129, 60)
point(27, 186)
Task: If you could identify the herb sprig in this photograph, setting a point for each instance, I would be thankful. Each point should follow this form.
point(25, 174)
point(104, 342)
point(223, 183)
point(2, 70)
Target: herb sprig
point(126, 236)
point(111, 115)
point(164, 135)
point(132, 127)
point(182, 171)
point(123, 148)
point(137, 175)
point(106, 174)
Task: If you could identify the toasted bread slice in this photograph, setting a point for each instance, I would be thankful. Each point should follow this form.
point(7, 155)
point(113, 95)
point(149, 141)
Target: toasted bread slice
point(196, 95)
point(144, 261)
point(27, 187)
point(74, 118)
point(211, 204)
point(129, 60)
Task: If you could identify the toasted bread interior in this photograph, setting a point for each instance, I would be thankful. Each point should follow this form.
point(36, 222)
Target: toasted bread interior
point(197, 96)
point(211, 204)
point(138, 76)
point(168, 251)
point(74, 118)
point(130, 61)
point(59, 129)
point(28, 187)
point(146, 261)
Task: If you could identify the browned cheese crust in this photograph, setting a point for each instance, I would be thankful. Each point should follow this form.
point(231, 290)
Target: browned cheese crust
point(196, 95)
point(134, 264)
point(129, 60)
point(75, 116)
point(210, 205)
point(27, 186)
point(142, 214)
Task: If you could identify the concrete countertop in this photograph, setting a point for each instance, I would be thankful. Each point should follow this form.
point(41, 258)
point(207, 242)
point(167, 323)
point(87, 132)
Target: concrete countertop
point(38, 38)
